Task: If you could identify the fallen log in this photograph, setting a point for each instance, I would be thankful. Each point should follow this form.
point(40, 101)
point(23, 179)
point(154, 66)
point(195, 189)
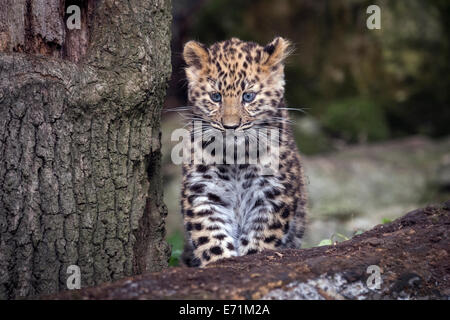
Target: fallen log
point(411, 255)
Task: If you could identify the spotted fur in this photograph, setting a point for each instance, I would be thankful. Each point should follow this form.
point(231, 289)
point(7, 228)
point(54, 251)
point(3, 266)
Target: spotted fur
point(233, 209)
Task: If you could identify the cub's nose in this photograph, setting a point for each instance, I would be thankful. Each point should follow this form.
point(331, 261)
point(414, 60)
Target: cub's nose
point(230, 118)
point(231, 126)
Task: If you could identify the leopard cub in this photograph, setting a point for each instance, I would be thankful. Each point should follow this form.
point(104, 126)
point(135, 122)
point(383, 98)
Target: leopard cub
point(235, 209)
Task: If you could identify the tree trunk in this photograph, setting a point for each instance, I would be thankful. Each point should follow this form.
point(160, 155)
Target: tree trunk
point(80, 142)
point(411, 255)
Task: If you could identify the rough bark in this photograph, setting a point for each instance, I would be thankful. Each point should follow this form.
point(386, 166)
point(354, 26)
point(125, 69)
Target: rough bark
point(412, 253)
point(80, 142)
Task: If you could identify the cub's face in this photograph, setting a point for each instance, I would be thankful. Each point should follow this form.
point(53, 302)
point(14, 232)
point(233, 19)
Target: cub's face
point(235, 84)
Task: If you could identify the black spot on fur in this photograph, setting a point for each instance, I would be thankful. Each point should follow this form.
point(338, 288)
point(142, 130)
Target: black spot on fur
point(257, 56)
point(275, 225)
point(223, 177)
point(189, 213)
point(269, 49)
point(198, 226)
point(269, 194)
point(249, 175)
point(197, 188)
point(206, 256)
point(260, 220)
point(258, 203)
point(204, 213)
point(277, 207)
point(222, 169)
point(191, 199)
point(270, 239)
point(216, 199)
point(203, 240)
point(216, 219)
point(247, 184)
point(195, 262)
point(202, 168)
point(219, 236)
point(285, 213)
point(216, 250)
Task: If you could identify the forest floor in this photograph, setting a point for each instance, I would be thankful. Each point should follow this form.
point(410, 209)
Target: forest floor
point(411, 254)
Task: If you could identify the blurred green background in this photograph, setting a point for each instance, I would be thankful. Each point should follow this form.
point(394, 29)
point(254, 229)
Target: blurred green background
point(376, 123)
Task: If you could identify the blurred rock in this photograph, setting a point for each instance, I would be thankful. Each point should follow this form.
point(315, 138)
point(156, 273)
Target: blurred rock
point(443, 173)
point(361, 186)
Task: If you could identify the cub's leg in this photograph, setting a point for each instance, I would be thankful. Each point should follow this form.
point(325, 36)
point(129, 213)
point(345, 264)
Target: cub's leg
point(208, 215)
point(266, 212)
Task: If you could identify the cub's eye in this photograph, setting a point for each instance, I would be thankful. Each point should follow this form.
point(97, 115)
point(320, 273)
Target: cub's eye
point(215, 96)
point(248, 96)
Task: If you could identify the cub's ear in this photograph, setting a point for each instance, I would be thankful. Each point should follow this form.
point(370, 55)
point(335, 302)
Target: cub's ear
point(195, 54)
point(277, 51)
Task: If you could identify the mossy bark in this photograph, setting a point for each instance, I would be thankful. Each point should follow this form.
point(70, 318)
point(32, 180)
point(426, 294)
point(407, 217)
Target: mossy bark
point(80, 143)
